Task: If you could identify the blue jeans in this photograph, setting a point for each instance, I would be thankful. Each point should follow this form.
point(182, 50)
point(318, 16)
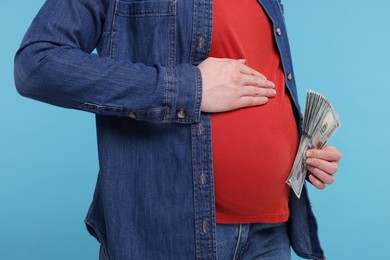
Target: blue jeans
point(248, 241)
point(253, 241)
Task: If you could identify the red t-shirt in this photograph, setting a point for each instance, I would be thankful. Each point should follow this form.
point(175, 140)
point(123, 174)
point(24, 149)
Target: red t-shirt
point(253, 148)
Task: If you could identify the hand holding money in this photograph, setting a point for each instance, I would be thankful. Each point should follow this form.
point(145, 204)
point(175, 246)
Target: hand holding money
point(319, 124)
point(322, 165)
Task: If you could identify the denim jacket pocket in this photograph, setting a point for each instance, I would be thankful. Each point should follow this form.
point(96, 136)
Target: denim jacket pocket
point(144, 31)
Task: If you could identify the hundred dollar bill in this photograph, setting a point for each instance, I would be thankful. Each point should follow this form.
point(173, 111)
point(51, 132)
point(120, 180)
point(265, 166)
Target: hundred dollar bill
point(328, 127)
point(319, 124)
point(298, 173)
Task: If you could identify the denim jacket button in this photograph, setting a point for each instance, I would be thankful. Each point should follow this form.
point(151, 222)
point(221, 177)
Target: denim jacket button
point(132, 114)
point(279, 31)
point(181, 113)
point(289, 76)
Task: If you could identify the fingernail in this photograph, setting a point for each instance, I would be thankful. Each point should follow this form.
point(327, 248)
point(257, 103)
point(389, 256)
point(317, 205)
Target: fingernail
point(309, 161)
point(308, 153)
point(271, 84)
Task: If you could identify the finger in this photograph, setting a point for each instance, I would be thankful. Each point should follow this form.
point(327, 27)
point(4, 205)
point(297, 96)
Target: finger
point(248, 101)
point(329, 153)
point(250, 80)
point(321, 175)
point(329, 167)
point(257, 92)
point(316, 183)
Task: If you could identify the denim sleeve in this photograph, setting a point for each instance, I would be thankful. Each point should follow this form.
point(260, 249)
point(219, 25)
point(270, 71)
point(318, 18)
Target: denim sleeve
point(55, 64)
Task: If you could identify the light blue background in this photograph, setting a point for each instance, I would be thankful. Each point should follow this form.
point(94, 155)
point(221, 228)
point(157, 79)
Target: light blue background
point(48, 156)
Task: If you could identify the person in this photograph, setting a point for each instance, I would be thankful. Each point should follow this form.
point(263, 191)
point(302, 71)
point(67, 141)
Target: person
point(197, 120)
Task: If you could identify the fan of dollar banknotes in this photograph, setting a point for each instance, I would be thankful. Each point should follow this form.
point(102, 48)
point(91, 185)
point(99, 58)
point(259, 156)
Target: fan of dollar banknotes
point(319, 124)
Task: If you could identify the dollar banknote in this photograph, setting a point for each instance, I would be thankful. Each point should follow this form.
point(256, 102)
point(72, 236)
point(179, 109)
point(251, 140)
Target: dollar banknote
point(320, 122)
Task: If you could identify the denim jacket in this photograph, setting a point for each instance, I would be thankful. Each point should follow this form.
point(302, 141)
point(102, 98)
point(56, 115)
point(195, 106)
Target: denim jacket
point(154, 196)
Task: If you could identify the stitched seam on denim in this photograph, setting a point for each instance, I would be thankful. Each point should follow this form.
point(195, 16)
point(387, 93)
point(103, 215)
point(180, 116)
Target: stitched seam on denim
point(244, 251)
point(131, 9)
point(238, 241)
point(172, 32)
point(113, 31)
